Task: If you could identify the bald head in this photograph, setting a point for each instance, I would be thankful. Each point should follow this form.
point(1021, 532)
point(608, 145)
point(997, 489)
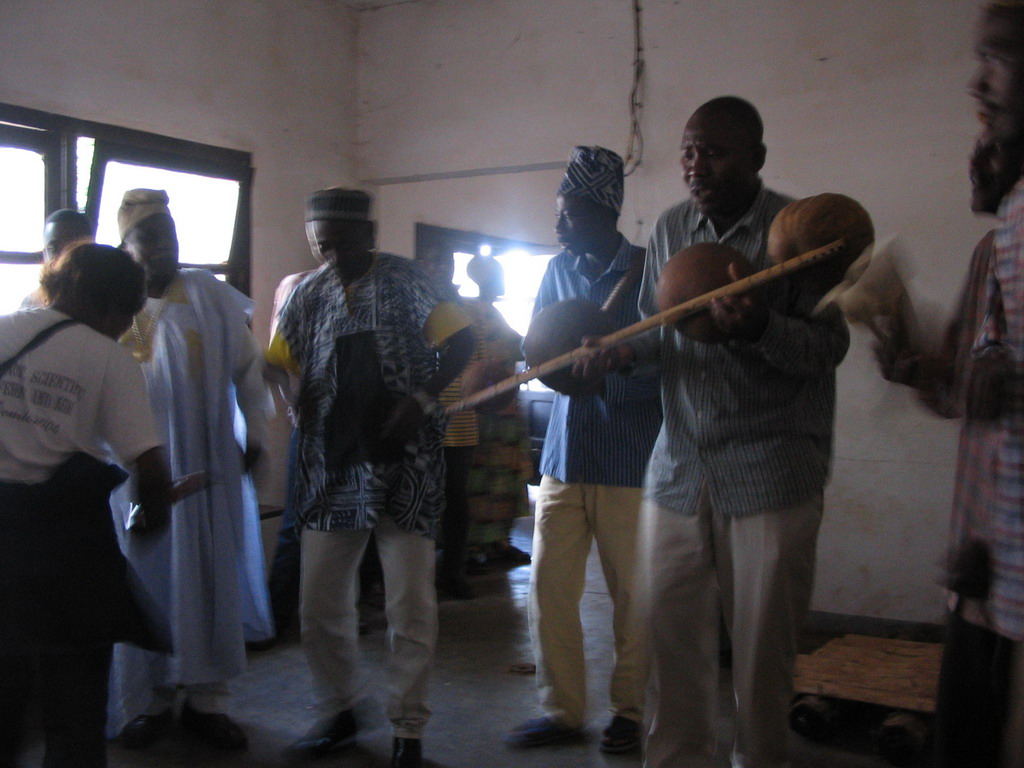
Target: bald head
point(737, 112)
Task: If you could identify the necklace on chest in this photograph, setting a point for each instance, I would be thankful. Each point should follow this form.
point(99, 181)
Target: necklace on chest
point(144, 330)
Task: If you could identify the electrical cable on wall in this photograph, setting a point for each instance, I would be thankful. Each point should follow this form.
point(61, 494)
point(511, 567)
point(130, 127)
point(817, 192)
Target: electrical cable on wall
point(635, 149)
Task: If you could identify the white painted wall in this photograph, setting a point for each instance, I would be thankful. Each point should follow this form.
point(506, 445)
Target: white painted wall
point(864, 97)
point(271, 77)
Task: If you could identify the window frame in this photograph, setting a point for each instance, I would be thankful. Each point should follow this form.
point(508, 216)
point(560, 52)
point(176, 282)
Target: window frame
point(56, 137)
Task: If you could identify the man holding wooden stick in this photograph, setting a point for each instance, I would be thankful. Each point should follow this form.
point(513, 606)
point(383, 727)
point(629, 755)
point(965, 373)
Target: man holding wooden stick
point(734, 489)
point(595, 452)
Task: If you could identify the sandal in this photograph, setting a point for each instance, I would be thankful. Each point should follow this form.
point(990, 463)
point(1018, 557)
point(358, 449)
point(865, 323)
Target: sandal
point(621, 735)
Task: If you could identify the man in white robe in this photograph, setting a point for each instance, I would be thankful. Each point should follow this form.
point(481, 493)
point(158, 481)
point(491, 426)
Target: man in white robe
point(203, 372)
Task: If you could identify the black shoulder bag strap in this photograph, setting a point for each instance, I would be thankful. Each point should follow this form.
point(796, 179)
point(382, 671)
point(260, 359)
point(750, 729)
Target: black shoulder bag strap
point(34, 342)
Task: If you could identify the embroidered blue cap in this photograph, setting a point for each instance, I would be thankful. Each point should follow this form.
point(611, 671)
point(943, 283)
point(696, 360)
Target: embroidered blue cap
point(594, 173)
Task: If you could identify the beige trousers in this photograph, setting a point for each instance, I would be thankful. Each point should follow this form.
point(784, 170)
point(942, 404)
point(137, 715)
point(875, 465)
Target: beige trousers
point(329, 594)
point(569, 517)
point(757, 571)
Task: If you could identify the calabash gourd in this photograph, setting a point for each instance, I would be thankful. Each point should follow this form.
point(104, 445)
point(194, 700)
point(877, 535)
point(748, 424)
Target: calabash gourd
point(559, 328)
point(692, 272)
point(816, 221)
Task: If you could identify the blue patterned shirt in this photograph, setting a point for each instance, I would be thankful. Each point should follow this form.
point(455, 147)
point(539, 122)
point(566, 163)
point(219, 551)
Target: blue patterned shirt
point(601, 439)
point(751, 421)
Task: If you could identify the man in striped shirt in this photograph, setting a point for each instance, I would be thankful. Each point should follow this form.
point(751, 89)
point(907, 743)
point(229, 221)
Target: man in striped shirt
point(734, 488)
point(979, 375)
point(594, 455)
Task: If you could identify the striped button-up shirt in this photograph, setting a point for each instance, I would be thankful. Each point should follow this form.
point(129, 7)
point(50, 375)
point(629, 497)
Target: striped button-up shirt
point(989, 498)
point(751, 421)
point(600, 439)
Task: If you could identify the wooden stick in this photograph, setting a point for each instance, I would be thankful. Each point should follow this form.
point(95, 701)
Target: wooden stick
point(666, 317)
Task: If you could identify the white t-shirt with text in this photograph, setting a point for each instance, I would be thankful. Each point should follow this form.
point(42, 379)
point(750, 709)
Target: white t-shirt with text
point(78, 391)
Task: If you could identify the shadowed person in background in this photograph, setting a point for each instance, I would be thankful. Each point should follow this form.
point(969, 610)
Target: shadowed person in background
point(61, 229)
point(502, 466)
point(461, 436)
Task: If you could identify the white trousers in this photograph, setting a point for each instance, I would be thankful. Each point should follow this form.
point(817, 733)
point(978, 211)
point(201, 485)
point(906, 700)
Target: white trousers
point(330, 619)
point(569, 517)
point(757, 571)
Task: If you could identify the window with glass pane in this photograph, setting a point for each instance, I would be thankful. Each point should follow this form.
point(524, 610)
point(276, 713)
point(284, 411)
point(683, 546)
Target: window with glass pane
point(523, 264)
point(22, 201)
point(203, 209)
point(17, 283)
point(22, 210)
point(50, 161)
point(85, 148)
point(523, 273)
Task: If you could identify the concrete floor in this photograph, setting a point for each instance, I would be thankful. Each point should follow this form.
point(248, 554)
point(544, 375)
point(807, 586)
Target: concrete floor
point(475, 696)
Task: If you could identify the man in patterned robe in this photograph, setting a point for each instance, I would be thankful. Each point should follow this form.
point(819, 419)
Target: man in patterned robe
point(363, 336)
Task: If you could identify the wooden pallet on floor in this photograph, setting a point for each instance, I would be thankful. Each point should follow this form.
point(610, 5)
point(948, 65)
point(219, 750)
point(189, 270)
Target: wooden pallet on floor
point(900, 675)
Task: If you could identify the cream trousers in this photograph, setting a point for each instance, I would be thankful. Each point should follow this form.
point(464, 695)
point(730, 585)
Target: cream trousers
point(330, 619)
point(757, 571)
point(569, 517)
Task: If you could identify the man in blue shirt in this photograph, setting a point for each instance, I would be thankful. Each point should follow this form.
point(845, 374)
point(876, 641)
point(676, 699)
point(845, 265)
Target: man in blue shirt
point(593, 463)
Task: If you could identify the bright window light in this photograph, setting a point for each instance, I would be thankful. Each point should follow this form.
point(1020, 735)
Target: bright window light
point(485, 250)
point(22, 199)
point(17, 281)
point(467, 288)
point(203, 208)
point(523, 273)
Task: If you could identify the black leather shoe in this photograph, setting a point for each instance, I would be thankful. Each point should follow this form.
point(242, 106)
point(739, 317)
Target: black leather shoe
point(144, 730)
point(215, 728)
point(340, 732)
point(406, 753)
